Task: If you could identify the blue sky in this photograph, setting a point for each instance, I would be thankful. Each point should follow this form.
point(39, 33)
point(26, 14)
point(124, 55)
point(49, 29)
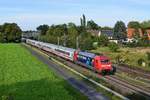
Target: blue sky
point(31, 13)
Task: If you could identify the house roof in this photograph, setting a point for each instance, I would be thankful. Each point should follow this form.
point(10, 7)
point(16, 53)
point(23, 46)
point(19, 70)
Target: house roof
point(108, 33)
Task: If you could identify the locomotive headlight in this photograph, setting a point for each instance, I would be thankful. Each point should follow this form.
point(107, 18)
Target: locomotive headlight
point(106, 65)
point(103, 65)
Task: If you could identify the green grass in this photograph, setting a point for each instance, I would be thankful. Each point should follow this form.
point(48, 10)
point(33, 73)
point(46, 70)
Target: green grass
point(24, 77)
point(130, 55)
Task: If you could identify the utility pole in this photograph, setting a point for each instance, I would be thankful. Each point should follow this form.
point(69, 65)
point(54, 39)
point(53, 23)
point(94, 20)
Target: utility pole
point(58, 41)
point(64, 40)
point(77, 42)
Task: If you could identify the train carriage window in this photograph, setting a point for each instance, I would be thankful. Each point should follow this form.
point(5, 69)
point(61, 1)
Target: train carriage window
point(67, 53)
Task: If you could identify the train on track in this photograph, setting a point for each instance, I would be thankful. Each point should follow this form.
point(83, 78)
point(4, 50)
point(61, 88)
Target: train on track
point(97, 63)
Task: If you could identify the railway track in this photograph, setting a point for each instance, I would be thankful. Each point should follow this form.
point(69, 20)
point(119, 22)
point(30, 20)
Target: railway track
point(109, 79)
point(137, 89)
point(133, 72)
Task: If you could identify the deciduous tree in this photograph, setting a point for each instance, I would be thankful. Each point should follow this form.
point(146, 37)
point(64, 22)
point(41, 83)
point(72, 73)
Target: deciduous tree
point(43, 29)
point(120, 30)
point(92, 25)
point(134, 24)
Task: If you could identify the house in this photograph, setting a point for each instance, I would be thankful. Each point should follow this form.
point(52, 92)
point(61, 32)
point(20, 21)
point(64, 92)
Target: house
point(30, 34)
point(132, 31)
point(108, 33)
point(148, 33)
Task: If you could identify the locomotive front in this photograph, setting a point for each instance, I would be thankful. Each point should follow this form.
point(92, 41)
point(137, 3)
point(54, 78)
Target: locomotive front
point(103, 65)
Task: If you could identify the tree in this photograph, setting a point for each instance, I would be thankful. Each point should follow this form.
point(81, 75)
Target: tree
point(103, 40)
point(87, 44)
point(106, 28)
point(65, 39)
point(43, 29)
point(83, 21)
point(134, 24)
point(1, 38)
point(120, 30)
point(86, 41)
point(10, 32)
point(72, 35)
point(145, 25)
point(92, 25)
point(56, 31)
point(71, 25)
point(0, 28)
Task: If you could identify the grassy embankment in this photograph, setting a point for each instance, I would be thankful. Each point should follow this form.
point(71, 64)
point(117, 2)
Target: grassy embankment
point(24, 77)
point(129, 55)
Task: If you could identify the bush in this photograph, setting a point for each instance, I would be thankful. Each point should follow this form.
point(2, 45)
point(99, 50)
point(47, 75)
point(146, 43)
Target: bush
point(103, 40)
point(149, 64)
point(95, 45)
point(113, 47)
point(148, 56)
point(86, 44)
point(140, 61)
point(118, 59)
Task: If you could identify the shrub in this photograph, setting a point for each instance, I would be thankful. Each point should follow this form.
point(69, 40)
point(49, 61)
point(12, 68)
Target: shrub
point(118, 59)
point(113, 47)
point(103, 40)
point(148, 56)
point(86, 44)
point(95, 45)
point(140, 61)
point(149, 64)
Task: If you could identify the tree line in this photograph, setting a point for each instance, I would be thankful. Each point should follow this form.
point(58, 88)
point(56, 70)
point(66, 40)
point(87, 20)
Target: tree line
point(77, 36)
point(72, 35)
point(69, 35)
point(10, 32)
